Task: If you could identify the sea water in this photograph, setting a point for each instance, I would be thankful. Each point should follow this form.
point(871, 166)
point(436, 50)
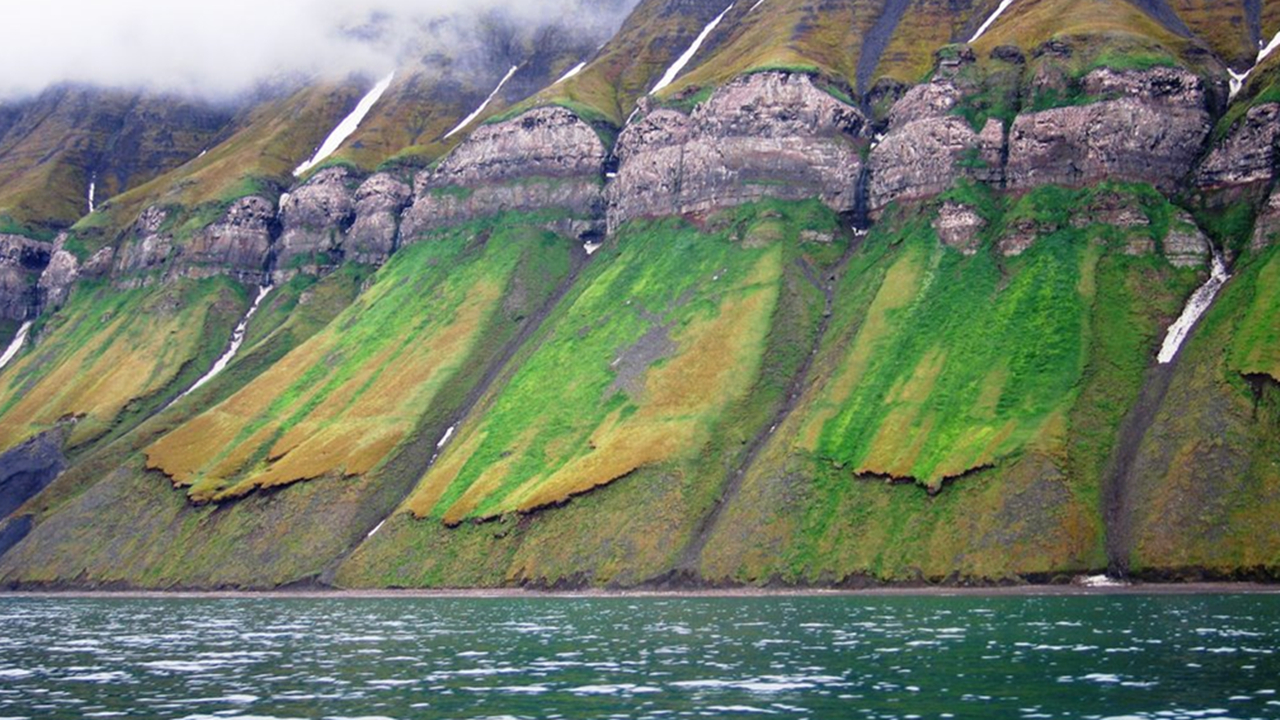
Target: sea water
point(1096, 656)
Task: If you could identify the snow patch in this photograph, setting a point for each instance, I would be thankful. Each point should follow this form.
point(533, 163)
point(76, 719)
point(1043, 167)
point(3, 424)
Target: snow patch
point(684, 59)
point(1238, 79)
point(758, 4)
point(1004, 5)
point(467, 120)
point(375, 530)
point(1200, 301)
point(93, 191)
point(447, 434)
point(591, 248)
point(572, 71)
point(18, 340)
point(237, 339)
point(347, 127)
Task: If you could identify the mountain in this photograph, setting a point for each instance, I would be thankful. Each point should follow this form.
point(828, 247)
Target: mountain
point(755, 293)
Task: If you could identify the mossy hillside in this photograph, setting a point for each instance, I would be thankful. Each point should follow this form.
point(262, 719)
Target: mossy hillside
point(257, 157)
point(1207, 477)
point(667, 270)
point(1224, 27)
point(132, 529)
point(784, 34)
point(110, 358)
point(1029, 24)
point(343, 401)
point(630, 64)
point(926, 26)
point(69, 136)
point(154, 537)
point(1255, 347)
point(807, 517)
point(662, 342)
point(291, 314)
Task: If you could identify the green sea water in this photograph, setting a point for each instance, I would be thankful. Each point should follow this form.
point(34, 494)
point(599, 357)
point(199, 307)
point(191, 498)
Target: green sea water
point(1094, 656)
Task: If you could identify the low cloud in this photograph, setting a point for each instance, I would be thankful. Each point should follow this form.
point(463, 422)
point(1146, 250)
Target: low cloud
point(218, 49)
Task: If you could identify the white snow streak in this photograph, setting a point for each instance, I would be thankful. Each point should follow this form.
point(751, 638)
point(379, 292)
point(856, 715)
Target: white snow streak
point(758, 4)
point(1238, 79)
point(572, 71)
point(375, 529)
point(447, 434)
point(16, 345)
point(348, 126)
point(1004, 5)
point(467, 120)
point(591, 248)
point(684, 59)
point(93, 190)
point(1200, 301)
point(237, 339)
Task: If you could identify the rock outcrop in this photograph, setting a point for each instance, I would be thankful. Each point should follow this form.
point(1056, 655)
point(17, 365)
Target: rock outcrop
point(958, 227)
point(21, 262)
point(1267, 227)
point(239, 244)
point(57, 278)
point(770, 134)
point(1186, 245)
point(927, 147)
point(546, 158)
point(1249, 152)
point(1147, 126)
point(314, 219)
point(379, 202)
point(29, 468)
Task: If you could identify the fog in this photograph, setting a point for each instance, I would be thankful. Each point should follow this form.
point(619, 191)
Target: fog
point(220, 48)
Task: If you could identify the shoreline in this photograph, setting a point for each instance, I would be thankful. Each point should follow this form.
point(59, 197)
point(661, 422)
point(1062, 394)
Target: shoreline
point(1199, 588)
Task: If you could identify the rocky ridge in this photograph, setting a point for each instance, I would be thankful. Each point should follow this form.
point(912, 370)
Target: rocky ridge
point(547, 158)
point(769, 134)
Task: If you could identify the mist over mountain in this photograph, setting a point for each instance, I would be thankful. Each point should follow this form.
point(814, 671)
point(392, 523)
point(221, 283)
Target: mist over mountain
point(217, 50)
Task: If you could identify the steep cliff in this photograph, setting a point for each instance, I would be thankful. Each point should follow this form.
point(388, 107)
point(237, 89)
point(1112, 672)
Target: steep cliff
point(547, 158)
point(757, 293)
point(769, 134)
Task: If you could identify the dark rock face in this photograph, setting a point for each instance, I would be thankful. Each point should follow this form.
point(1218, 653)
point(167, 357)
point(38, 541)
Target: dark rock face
point(546, 158)
point(28, 469)
point(379, 202)
point(926, 147)
point(1151, 128)
point(770, 134)
point(1248, 154)
point(21, 262)
point(314, 218)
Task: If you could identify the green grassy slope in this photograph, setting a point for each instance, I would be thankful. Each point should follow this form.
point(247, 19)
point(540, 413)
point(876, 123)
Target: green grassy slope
point(1207, 476)
point(441, 288)
point(1007, 375)
point(650, 384)
point(343, 401)
point(110, 358)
